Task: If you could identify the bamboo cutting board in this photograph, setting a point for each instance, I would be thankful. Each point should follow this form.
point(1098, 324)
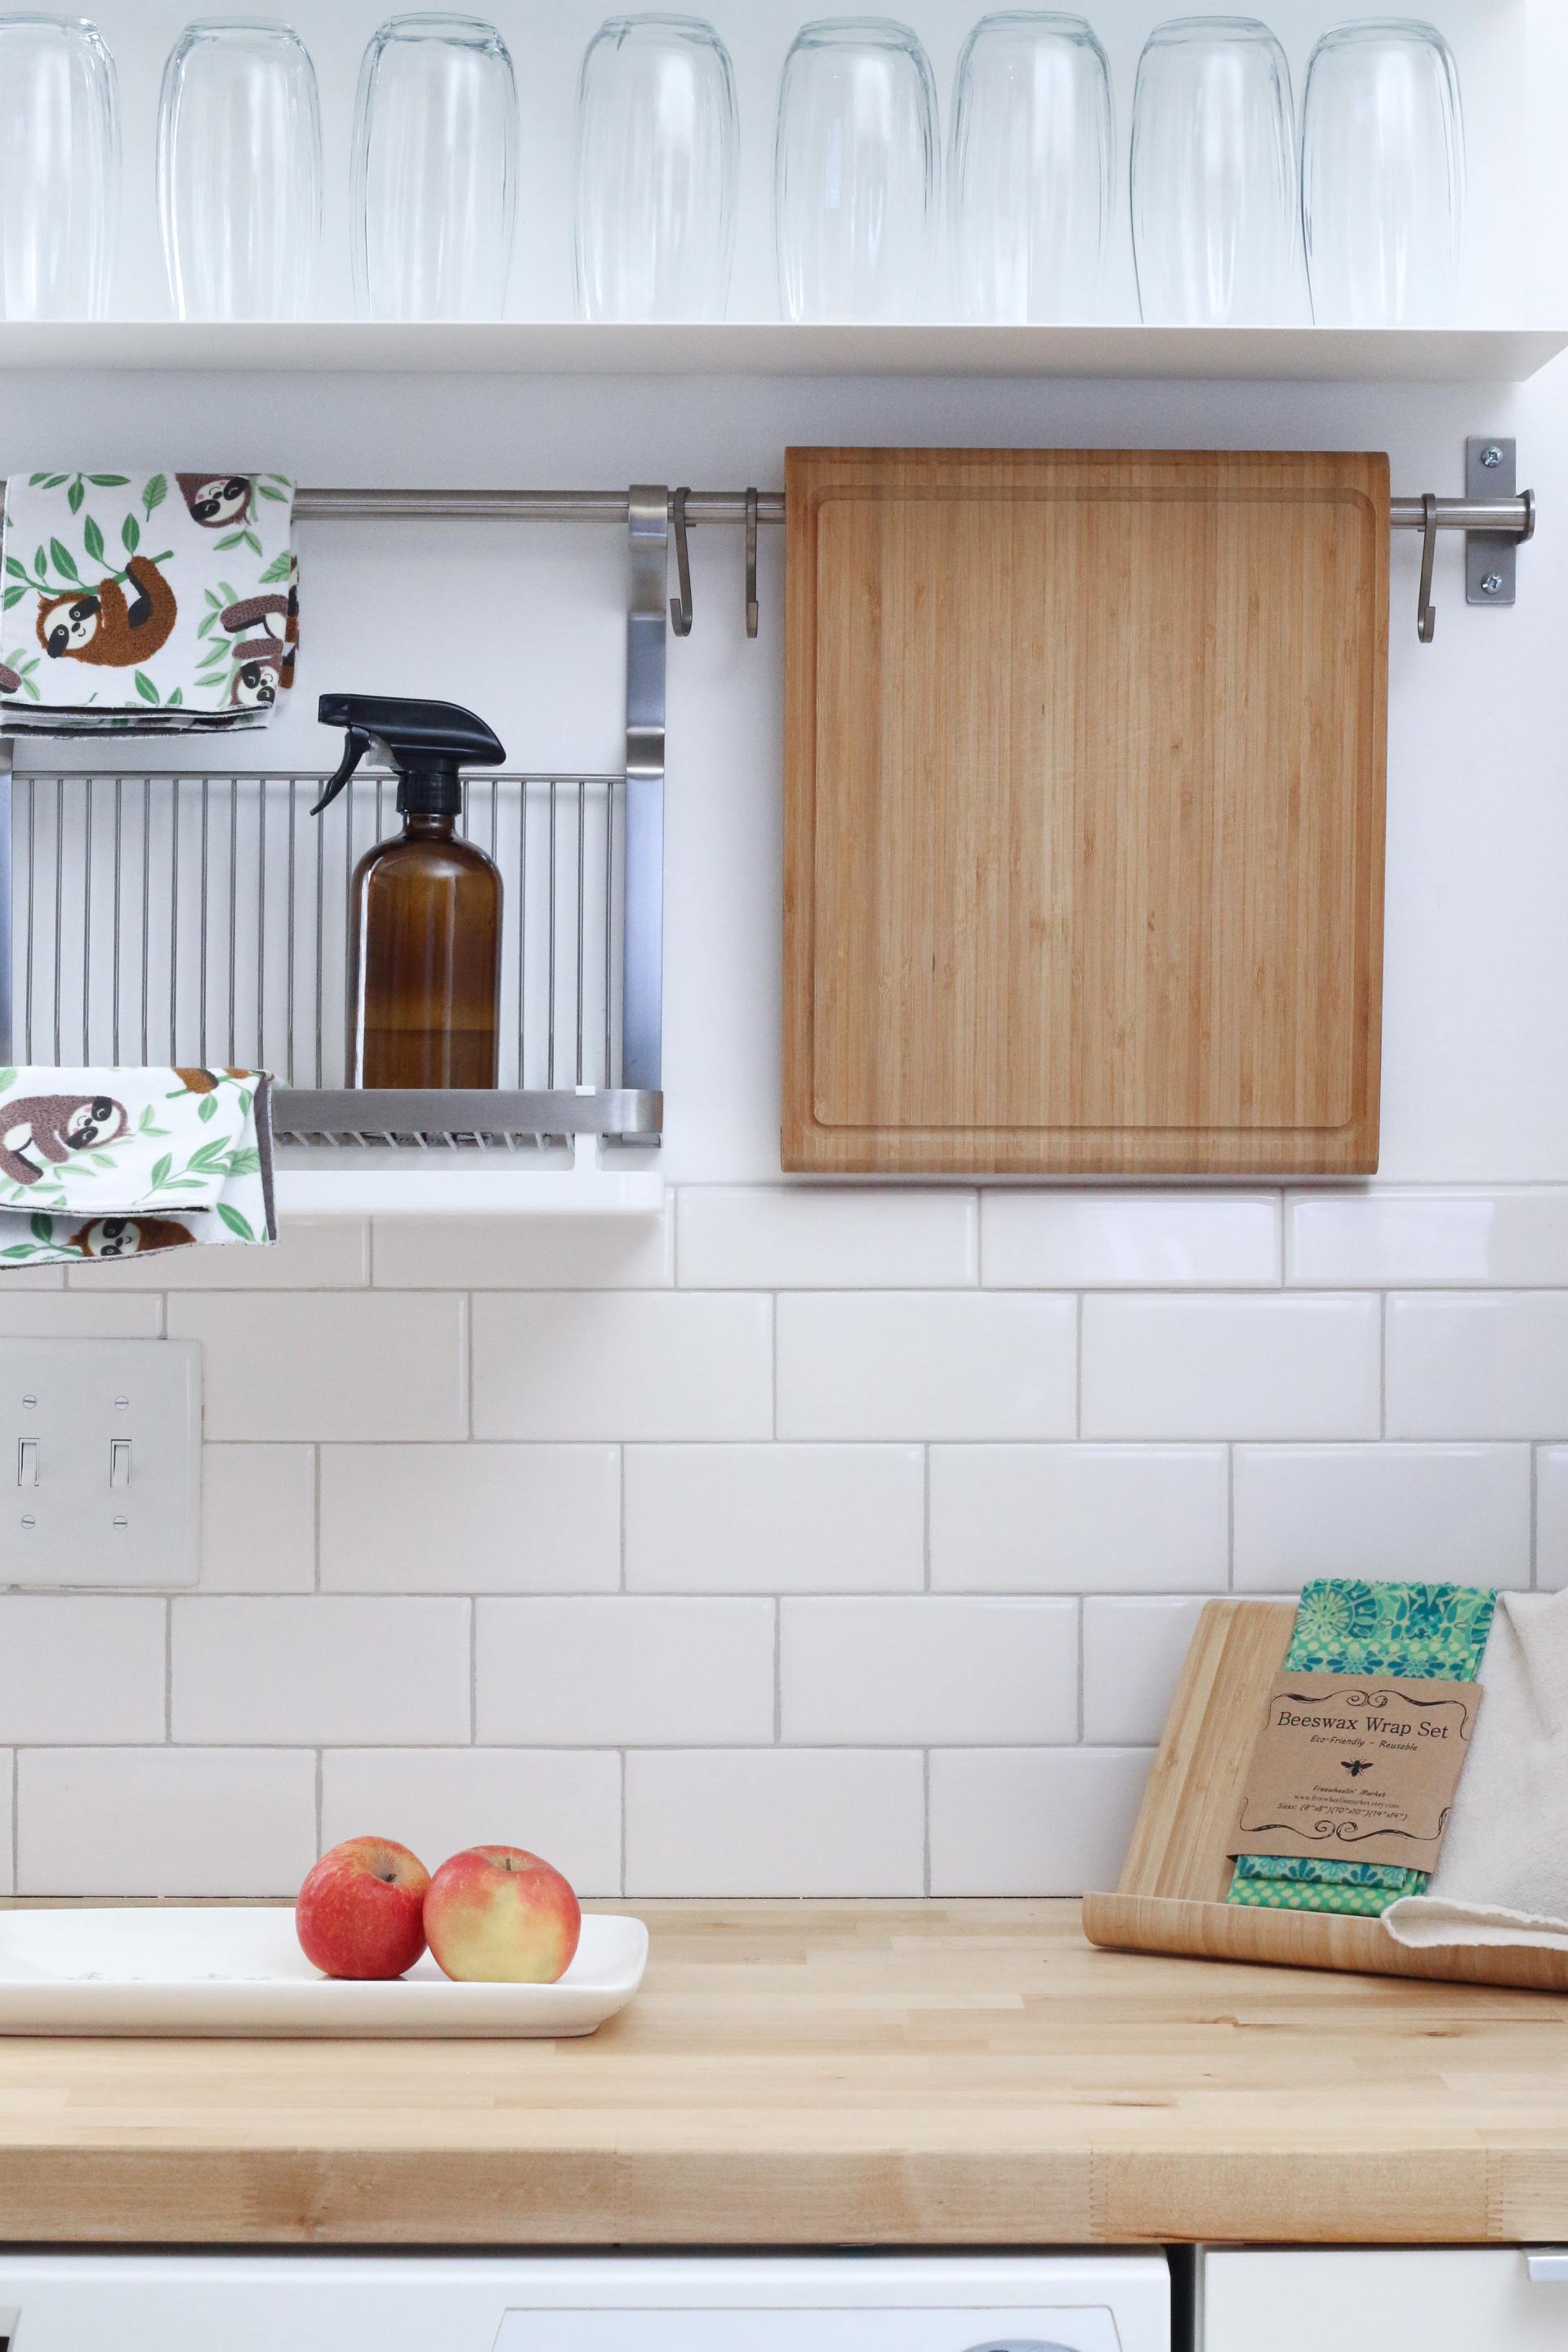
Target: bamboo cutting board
point(1084, 811)
point(1171, 1896)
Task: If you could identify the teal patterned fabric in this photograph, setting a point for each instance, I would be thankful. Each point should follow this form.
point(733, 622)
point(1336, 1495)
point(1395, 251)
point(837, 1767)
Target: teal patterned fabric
point(1346, 1625)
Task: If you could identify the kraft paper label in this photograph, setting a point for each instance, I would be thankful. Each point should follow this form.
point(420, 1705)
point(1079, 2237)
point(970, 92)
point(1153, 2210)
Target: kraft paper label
point(1357, 1767)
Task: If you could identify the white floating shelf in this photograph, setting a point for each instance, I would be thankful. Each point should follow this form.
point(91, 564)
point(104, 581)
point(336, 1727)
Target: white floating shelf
point(428, 1188)
point(1329, 354)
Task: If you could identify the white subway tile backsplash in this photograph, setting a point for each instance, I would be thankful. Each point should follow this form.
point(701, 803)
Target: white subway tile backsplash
point(774, 1518)
point(913, 1619)
point(749, 1238)
point(310, 1253)
point(527, 1253)
point(1133, 1654)
point(927, 1672)
point(326, 1670)
point(1079, 1519)
point(1551, 1518)
point(1032, 1820)
point(81, 1668)
point(1231, 1368)
point(164, 1820)
point(1501, 1240)
point(625, 1672)
point(470, 1519)
point(1478, 1367)
point(40, 1315)
point(345, 1365)
point(1091, 1241)
point(438, 1801)
point(1458, 1514)
point(578, 1364)
point(258, 1519)
point(906, 1365)
point(7, 1820)
point(779, 1822)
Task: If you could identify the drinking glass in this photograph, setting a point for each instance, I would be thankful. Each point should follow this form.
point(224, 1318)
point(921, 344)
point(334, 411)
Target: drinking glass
point(1029, 187)
point(59, 168)
point(1383, 176)
point(434, 170)
point(655, 171)
point(855, 173)
point(239, 170)
point(1216, 232)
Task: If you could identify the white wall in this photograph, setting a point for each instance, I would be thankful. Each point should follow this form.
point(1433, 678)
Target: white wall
point(932, 1647)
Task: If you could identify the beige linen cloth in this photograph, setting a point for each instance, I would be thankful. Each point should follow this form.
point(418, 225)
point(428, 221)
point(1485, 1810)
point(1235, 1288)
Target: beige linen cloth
point(1502, 1874)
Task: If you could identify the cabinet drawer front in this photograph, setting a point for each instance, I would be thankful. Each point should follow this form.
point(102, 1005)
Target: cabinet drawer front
point(1320, 2300)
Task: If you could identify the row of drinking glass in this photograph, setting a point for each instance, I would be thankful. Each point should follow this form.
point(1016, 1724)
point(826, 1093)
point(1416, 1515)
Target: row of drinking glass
point(1220, 226)
point(1217, 225)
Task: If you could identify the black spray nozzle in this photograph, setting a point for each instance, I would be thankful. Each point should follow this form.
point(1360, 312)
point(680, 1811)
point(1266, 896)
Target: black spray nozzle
point(428, 743)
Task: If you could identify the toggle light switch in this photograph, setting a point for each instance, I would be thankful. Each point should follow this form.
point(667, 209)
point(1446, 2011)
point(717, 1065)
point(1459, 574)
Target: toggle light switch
point(120, 1461)
point(26, 1462)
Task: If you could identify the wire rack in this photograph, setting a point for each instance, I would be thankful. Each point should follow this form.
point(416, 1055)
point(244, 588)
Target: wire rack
point(202, 921)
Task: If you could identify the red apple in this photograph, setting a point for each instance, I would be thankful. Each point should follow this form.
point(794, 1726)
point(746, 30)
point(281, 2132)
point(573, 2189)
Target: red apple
point(496, 1915)
point(361, 1912)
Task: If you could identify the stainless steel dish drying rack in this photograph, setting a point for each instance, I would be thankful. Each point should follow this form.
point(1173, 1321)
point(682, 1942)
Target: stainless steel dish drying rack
point(199, 917)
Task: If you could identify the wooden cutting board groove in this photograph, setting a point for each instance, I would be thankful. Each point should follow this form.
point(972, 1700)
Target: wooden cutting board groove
point(1085, 769)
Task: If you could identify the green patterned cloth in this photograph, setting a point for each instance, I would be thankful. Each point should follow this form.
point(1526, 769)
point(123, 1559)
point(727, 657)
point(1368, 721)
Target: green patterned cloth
point(1346, 1626)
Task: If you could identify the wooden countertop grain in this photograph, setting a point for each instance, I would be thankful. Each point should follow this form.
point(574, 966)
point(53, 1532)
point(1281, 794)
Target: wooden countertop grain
point(823, 2073)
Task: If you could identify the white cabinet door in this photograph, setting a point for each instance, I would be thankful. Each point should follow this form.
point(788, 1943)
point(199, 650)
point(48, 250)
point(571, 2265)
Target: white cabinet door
point(1318, 2299)
point(397, 2303)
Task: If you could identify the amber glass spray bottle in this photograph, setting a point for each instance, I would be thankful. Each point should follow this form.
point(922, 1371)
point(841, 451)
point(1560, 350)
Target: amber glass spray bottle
point(425, 912)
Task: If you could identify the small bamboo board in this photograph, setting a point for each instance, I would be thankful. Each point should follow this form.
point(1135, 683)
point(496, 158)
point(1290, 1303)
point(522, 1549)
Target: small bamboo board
point(1171, 1896)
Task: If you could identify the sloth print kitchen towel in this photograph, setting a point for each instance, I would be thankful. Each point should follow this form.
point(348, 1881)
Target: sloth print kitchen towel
point(115, 1163)
point(161, 604)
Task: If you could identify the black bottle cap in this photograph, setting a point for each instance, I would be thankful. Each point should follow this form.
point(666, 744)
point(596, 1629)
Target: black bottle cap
point(428, 743)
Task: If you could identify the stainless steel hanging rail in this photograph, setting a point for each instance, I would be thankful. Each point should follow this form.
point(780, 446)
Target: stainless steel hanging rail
point(1495, 527)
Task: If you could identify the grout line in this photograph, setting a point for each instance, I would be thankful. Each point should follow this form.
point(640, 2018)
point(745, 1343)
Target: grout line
point(473, 1672)
point(1230, 1519)
point(778, 1671)
point(1078, 1369)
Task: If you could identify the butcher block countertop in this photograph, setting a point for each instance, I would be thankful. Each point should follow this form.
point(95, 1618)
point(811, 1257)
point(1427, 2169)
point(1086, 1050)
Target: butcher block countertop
point(814, 2073)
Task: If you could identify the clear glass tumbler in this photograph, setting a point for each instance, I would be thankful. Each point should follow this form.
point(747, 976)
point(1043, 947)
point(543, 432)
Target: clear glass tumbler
point(1029, 182)
point(239, 170)
point(434, 170)
point(1383, 176)
point(59, 168)
point(855, 173)
point(1217, 231)
point(657, 142)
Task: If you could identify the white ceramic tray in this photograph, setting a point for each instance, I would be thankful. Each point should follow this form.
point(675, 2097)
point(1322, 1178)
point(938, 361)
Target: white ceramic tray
point(192, 1969)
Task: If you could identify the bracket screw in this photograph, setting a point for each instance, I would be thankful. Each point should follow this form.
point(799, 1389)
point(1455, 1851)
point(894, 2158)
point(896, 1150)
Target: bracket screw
point(123, 1523)
point(1491, 455)
point(28, 1520)
point(1492, 585)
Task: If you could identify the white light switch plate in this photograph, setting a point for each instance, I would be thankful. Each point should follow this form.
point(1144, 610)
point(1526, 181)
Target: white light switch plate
point(100, 1453)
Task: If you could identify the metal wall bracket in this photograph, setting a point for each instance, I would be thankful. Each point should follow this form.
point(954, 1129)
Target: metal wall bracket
point(642, 1010)
point(1491, 558)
